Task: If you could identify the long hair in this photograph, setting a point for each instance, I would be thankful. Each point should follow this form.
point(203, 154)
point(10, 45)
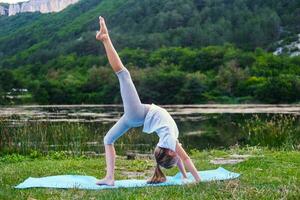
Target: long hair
point(165, 160)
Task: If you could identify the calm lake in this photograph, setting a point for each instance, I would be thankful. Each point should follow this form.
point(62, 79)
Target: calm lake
point(81, 128)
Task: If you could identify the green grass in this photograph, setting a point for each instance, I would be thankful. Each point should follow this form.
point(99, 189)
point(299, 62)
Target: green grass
point(268, 174)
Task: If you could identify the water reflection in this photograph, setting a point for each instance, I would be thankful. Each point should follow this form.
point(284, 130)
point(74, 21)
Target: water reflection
point(81, 128)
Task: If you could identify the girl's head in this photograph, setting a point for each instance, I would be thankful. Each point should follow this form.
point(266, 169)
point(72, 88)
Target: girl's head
point(165, 158)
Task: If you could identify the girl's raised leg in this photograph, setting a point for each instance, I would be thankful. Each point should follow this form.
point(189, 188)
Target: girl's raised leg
point(134, 109)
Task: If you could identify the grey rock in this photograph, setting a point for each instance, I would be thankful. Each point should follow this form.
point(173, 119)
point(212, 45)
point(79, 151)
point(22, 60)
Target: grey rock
point(43, 6)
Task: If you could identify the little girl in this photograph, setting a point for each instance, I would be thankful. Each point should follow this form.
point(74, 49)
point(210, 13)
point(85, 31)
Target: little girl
point(168, 152)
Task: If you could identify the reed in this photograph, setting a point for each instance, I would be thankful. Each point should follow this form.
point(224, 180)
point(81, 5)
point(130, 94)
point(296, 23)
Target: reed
point(71, 137)
point(28, 136)
point(216, 131)
point(275, 131)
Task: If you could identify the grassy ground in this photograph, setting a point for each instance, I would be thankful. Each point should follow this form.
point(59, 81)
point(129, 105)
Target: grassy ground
point(267, 174)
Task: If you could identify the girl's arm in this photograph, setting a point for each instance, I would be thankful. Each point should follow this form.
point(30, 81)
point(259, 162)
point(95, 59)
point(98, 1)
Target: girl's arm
point(187, 161)
point(111, 53)
point(181, 168)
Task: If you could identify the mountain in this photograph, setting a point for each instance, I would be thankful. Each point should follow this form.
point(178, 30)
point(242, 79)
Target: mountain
point(58, 50)
point(151, 24)
point(43, 6)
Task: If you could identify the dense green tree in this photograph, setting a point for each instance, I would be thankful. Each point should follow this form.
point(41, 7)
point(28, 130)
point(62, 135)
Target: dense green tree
point(165, 80)
point(230, 77)
point(281, 89)
point(180, 51)
point(164, 76)
point(195, 85)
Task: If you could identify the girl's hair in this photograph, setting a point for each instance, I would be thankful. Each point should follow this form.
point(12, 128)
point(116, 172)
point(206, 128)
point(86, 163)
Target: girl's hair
point(165, 160)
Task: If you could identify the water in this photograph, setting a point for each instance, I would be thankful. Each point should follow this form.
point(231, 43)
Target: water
point(81, 128)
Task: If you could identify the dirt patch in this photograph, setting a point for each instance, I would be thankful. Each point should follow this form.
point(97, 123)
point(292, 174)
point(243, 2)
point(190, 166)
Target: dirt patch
point(134, 155)
point(137, 175)
point(231, 160)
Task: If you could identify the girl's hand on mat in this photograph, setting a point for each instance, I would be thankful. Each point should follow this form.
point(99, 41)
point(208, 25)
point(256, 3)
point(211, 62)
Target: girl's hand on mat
point(106, 181)
point(102, 34)
point(185, 180)
point(187, 162)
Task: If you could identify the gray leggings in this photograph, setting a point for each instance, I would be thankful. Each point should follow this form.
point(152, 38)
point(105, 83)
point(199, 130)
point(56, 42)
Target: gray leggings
point(134, 111)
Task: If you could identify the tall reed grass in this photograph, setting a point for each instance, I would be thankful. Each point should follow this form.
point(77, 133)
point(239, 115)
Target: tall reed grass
point(71, 137)
point(45, 136)
point(275, 131)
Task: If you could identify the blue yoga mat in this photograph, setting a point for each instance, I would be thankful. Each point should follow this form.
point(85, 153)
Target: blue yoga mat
point(89, 182)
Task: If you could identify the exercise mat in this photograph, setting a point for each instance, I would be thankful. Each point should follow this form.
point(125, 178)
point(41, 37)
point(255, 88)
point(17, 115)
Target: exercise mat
point(89, 182)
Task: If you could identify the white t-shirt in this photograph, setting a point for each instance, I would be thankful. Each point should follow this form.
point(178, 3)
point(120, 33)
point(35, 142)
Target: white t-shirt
point(160, 121)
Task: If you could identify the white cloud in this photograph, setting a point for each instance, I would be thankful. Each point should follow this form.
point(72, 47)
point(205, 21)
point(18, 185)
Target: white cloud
point(12, 1)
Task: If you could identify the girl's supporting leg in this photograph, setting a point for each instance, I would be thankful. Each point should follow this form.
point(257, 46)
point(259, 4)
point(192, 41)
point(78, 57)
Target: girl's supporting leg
point(110, 154)
point(116, 131)
point(134, 115)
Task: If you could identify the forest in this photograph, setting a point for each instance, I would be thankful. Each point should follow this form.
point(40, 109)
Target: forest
point(178, 52)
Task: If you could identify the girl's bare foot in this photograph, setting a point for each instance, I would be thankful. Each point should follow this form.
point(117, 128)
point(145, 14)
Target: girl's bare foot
point(102, 34)
point(106, 181)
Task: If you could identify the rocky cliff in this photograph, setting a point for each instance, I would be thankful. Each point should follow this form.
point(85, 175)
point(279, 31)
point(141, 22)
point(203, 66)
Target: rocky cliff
point(3, 10)
point(43, 6)
point(292, 48)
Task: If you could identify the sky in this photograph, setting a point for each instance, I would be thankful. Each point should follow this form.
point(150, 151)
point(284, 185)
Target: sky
point(12, 1)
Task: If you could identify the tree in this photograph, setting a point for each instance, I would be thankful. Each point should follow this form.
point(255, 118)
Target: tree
point(230, 77)
point(195, 84)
